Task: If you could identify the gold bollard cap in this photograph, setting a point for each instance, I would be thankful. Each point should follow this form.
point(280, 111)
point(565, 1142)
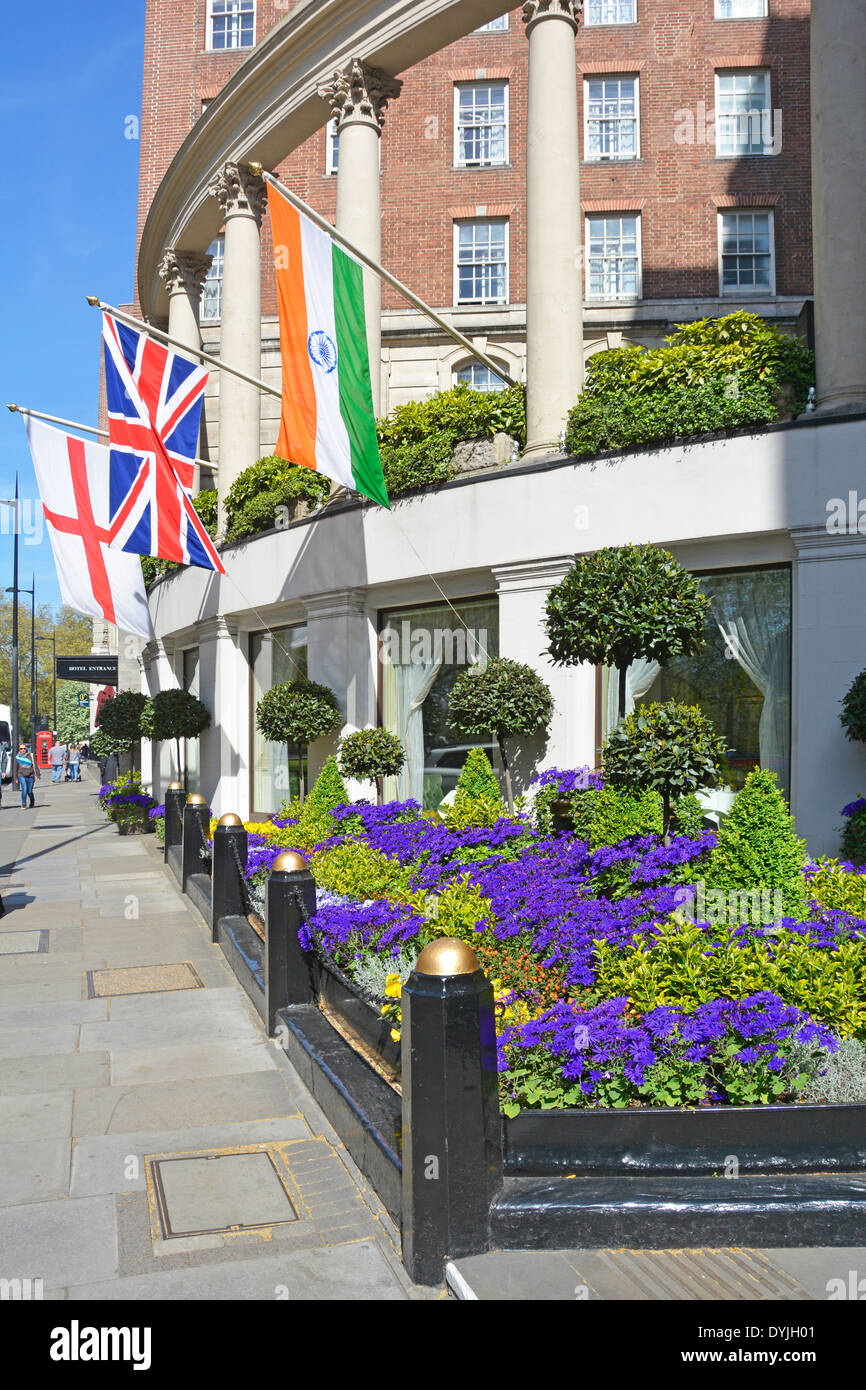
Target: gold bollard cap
point(447, 956)
point(194, 799)
point(175, 787)
point(289, 862)
point(229, 819)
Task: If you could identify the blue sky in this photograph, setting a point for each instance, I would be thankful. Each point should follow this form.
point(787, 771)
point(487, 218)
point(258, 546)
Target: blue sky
point(70, 76)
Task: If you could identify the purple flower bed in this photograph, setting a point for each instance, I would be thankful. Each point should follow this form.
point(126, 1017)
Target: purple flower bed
point(578, 779)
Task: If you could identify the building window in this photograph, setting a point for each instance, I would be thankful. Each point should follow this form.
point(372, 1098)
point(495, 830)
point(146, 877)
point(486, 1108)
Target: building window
point(610, 12)
point(478, 377)
point(613, 269)
point(423, 651)
point(275, 657)
point(612, 117)
point(742, 678)
point(231, 24)
point(741, 9)
point(746, 253)
point(192, 746)
point(332, 148)
point(212, 293)
point(481, 262)
point(480, 124)
point(495, 26)
point(743, 113)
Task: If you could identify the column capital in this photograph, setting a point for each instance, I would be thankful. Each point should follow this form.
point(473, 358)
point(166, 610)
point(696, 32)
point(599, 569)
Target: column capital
point(239, 191)
point(217, 629)
point(359, 92)
point(184, 272)
point(338, 603)
point(532, 574)
point(571, 10)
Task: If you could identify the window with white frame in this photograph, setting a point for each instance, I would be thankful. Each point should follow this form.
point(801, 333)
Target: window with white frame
point(231, 24)
point(743, 113)
point(332, 148)
point(613, 269)
point(212, 292)
point(610, 12)
point(741, 9)
point(480, 124)
point(481, 262)
point(495, 26)
point(478, 377)
point(611, 108)
point(747, 253)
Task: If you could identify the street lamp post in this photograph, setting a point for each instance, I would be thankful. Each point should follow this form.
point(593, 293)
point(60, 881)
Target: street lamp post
point(53, 640)
point(13, 732)
point(15, 591)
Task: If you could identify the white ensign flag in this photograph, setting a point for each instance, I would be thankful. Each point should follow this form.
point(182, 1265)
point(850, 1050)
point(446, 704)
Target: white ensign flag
point(73, 482)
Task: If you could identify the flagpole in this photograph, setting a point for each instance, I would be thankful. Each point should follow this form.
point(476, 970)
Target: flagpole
point(96, 303)
point(383, 274)
point(86, 429)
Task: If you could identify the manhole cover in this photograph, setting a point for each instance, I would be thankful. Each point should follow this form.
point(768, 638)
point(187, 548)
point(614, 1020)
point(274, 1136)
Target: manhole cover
point(142, 979)
point(218, 1193)
point(23, 943)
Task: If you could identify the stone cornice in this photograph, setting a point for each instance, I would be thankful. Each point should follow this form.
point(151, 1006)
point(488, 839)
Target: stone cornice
point(340, 603)
point(217, 629)
point(533, 574)
point(359, 92)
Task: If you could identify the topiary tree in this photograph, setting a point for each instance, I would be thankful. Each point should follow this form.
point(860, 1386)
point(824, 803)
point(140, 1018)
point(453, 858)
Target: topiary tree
point(668, 748)
point(73, 719)
point(506, 699)
point(296, 713)
point(120, 718)
point(853, 714)
point(329, 791)
point(758, 847)
point(174, 714)
point(622, 603)
point(369, 754)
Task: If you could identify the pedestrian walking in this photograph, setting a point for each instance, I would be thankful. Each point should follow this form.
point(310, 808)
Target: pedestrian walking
point(27, 770)
point(74, 761)
point(58, 753)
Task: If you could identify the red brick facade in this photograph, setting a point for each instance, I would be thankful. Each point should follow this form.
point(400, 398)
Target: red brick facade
point(675, 47)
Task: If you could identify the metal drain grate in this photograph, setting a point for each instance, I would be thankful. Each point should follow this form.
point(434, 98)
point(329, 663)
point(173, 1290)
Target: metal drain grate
point(142, 979)
point(219, 1193)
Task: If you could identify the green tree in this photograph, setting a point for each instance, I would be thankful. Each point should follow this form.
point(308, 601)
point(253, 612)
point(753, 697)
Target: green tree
point(120, 717)
point(369, 754)
point(625, 602)
point(296, 713)
point(853, 714)
point(73, 719)
point(174, 714)
point(758, 847)
point(506, 699)
point(329, 791)
point(670, 749)
point(74, 637)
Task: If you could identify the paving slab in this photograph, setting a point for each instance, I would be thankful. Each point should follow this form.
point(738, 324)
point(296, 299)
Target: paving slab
point(38, 1015)
point(38, 1042)
point(172, 1063)
point(62, 1243)
point(127, 1034)
point(21, 1075)
point(41, 1115)
point(176, 1104)
point(33, 1170)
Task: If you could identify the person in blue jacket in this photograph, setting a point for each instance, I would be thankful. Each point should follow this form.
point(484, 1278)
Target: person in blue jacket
point(27, 771)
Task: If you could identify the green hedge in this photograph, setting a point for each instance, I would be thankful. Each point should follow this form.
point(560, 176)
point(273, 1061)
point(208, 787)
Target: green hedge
point(417, 439)
point(256, 497)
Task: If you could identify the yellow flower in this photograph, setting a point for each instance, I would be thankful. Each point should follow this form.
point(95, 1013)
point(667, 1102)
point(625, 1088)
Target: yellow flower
point(395, 1035)
point(393, 986)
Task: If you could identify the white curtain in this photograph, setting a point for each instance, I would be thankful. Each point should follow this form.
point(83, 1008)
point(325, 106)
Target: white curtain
point(639, 677)
point(764, 655)
point(409, 688)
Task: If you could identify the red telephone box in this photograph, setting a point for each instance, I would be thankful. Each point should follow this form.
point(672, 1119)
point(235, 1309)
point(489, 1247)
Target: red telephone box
point(44, 741)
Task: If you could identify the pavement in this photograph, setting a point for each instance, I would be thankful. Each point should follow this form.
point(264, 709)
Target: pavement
point(155, 1144)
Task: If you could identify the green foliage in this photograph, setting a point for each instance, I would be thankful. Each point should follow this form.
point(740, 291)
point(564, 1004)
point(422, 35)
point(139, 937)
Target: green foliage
point(370, 753)
point(73, 720)
point(417, 439)
point(473, 811)
point(687, 816)
point(853, 714)
point(715, 374)
point(102, 744)
point(459, 910)
point(120, 717)
point(316, 822)
point(668, 748)
point(297, 712)
point(617, 815)
point(837, 1078)
point(264, 492)
point(505, 698)
point(357, 870)
point(837, 888)
point(854, 837)
point(679, 966)
point(477, 777)
point(623, 602)
point(757, 845)
point(173, 714)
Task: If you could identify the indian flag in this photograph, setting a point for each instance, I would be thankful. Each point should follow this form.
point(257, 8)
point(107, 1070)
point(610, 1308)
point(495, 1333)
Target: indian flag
point(327, 421)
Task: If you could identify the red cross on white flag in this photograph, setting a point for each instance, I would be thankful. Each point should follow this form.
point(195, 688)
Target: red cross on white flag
point(94, 579)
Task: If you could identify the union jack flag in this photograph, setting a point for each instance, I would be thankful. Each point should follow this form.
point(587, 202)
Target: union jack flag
point(154, 399)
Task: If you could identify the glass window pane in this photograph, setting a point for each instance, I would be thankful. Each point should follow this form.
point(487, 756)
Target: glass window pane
point(275, 657)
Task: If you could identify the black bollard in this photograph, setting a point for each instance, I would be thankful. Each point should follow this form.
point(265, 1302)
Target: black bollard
point(230, 843)
point(452, 1130)
point(287, 966)
point(196, 821)
point(175, 800)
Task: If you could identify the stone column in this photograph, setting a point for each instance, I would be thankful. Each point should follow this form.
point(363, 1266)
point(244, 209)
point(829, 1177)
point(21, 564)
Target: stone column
point(523, 591)
point(358, 96)
point(341, 655)
point(183, 274)
point(161, 676)
point(554, 320)
point(224, 675)
point(839, 202)
point(242, 198)
point(148, 653)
